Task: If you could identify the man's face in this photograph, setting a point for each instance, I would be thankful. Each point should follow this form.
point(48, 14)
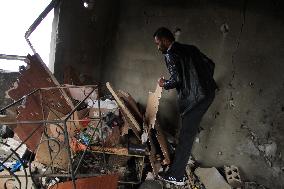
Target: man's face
point(161, 44)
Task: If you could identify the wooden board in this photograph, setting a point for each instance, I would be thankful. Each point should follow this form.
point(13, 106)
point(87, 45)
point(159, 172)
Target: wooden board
point(36, 75)
point(99, 182)
point(126, 111)
point(163, 145)
point(32, 110)
point(152, 107)
point(131, 105)
point(36, 107)
point(52, 155)
point(156, 165)
point(48, 151)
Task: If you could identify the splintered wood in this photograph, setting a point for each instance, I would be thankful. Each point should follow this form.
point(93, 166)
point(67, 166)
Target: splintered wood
point(163, 145)
point(156, 136)
point(134, 126)
point(36, 106)
point(50, 152)
point(99, 182)
point(152, 107)
point(131, 105)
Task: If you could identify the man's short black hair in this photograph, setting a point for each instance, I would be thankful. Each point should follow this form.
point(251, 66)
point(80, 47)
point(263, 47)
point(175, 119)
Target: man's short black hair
point(164, 32)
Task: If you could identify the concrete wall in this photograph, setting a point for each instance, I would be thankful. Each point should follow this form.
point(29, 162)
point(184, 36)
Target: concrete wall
point(82, 36)
point(247, 114)
point(244, 126)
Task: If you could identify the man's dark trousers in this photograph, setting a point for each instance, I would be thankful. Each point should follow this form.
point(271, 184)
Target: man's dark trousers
point(189, 128)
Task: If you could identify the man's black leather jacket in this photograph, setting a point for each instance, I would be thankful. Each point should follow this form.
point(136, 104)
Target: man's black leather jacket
point(183, 76)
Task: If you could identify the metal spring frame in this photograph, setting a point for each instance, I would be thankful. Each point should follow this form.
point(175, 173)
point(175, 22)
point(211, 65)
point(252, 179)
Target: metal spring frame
point(61, 125)
point(73, 172)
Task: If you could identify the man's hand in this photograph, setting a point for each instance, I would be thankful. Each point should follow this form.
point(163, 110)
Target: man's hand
point(161, 81)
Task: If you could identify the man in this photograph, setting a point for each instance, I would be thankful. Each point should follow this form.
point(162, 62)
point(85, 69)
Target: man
point(191, 74)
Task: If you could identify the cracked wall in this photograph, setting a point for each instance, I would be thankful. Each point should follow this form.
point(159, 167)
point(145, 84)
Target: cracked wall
point(244, 126)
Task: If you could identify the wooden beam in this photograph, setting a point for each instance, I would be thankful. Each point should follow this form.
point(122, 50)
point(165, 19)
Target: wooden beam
point(152, 107)
point(124, 108)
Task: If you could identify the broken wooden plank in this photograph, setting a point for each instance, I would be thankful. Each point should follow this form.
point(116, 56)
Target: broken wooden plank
point(152, 107)
point(112, 150)
point(156, 165)
point(36, 106)
point(163, 145)
point(99, 182)
point(36, 75)
point(32, 110)
point(151, 117)
point(53, 153)
point(124, 109)
point(129, 125)
point(125, 127)
point(131, 105)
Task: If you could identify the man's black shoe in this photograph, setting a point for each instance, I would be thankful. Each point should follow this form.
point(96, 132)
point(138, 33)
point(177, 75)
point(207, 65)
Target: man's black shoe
point(173, 180)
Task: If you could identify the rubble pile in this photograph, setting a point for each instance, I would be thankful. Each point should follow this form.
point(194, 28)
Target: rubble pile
point(66, 136)
point(80, 130)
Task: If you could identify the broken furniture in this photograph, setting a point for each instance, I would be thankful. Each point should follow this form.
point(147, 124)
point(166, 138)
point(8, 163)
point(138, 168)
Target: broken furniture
point(51, 117)
point(78, 132)
point(159, 152)
point(99, 182)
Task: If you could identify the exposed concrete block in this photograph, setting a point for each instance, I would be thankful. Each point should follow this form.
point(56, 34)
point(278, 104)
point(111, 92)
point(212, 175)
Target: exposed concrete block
point(233, 176)
point(211, 178)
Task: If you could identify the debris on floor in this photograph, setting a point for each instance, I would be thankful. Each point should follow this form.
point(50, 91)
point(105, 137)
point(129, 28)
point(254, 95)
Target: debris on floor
point(89, 136)
point(77, 130)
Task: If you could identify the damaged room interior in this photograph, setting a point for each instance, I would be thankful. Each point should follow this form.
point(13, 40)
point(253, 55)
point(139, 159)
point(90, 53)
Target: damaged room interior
point(141, 94)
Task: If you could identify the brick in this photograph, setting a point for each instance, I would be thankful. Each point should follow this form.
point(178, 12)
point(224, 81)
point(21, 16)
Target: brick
point(233, 176)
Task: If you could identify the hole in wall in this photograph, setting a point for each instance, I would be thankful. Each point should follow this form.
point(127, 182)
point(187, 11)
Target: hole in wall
point(177, 33)
point(224, 28)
